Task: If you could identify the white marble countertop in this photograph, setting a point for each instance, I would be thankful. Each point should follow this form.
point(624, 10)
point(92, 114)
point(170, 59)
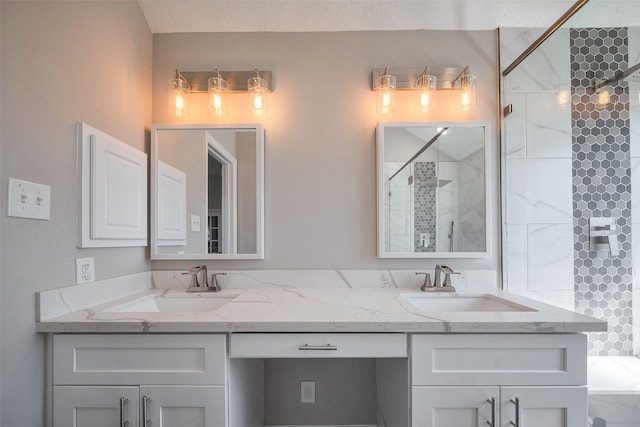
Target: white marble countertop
point(305, 310)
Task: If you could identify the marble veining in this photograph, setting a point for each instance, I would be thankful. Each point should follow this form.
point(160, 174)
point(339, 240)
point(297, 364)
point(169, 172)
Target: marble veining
point(281, 304)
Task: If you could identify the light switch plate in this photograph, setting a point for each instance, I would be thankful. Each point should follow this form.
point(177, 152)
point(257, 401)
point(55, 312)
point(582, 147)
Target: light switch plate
point(28, 200)
point(195, 223)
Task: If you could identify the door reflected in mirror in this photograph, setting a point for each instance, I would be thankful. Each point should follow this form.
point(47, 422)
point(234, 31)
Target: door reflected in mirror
point(432, 198)
point(208, 192)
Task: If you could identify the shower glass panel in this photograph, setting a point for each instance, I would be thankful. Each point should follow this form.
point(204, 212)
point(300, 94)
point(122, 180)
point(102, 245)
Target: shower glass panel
point(570, 150)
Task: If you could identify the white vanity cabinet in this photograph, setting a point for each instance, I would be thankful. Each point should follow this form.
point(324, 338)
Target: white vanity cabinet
point(498, 380)
point(139, 380)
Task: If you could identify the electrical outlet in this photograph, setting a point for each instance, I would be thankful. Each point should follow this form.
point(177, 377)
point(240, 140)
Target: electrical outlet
point(85, 271)
point(307, 392)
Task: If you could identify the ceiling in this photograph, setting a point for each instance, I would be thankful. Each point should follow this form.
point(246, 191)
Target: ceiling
point(165, 16)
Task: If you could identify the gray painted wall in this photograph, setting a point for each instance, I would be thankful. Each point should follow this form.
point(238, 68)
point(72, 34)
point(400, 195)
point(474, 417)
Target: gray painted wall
point(184, 150)
point(320, 133)
point(247, 208)
point(346, 392)
point(62, 62)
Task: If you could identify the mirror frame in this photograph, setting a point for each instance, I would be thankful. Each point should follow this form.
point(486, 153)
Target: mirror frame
point(382, 253)
point(259, 191)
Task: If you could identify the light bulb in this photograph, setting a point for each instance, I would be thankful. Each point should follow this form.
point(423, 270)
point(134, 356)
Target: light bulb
point(258, 102)
point(386, 100)
point(179, 102)
point(465, 100)
point(217, 101)
point(424, 101)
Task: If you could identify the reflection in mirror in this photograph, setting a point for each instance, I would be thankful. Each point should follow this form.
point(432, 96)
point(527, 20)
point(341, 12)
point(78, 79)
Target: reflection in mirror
point(431, 190)
point(208, 192)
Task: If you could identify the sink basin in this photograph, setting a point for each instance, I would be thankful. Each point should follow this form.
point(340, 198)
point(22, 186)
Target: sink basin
point(172, 304)
point(464, 303)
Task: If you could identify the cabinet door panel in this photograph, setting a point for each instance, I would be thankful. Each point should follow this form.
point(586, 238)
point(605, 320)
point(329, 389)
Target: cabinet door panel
point(177, 406)
point(83, 406)
point(453, 406)
point(544, 406)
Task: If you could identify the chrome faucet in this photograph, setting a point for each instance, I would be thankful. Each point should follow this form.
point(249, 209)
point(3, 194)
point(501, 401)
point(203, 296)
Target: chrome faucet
point(438, 285)
point(444, 285)
point(199, 281)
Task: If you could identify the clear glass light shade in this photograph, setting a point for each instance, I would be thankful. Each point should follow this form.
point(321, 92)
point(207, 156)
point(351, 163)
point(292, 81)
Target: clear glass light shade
point(385, 93)
point(258, 91)
point(426, 93)
point(217, 88)
point(178, 91)
point(467, 93)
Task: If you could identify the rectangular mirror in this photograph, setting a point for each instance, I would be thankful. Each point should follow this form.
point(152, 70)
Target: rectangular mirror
point(432, 190)
point(207, 191)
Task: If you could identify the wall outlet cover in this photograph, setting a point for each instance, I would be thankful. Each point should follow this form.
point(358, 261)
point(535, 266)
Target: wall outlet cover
point(85, 270)
point(307, 392)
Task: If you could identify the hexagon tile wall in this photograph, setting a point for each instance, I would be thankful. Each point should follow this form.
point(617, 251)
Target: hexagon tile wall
point(602, 184)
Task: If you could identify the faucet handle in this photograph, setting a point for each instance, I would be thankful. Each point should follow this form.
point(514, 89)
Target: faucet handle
point(214, 279)
point(427, 281)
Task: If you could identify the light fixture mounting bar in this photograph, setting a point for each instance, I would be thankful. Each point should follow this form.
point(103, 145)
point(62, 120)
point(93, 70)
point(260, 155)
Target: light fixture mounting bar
point(406, 76)
point(236, 80)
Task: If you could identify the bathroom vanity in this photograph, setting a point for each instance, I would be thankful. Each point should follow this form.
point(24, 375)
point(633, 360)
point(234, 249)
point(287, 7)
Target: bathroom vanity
point(168, 358)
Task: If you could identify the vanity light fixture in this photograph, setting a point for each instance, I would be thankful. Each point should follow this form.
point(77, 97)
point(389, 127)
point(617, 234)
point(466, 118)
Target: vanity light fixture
point(426, 92)
point(385, 86)
point(178, 90)
point(217, 87)
point(258, 89)
point(425, 82)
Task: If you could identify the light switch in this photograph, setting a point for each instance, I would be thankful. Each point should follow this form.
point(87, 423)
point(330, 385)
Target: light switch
point(28, 200)
point(195, 223)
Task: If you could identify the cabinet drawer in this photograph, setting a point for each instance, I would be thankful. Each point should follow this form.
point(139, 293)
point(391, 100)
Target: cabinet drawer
point(504, 359)
point(139, 359)
point(318, 345)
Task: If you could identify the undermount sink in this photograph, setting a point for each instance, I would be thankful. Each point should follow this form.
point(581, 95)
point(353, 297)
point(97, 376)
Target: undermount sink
point(173, 304)
point(464, 303)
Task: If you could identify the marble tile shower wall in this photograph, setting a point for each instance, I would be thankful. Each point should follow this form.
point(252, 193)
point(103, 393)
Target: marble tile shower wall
point(537, 154)
point(469, 234)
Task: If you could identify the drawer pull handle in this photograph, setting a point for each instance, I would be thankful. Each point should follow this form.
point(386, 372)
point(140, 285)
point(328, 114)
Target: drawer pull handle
point(145, 411)
point(516, 402)
point(317, 347)
point(123, 403)
point(492, 402)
